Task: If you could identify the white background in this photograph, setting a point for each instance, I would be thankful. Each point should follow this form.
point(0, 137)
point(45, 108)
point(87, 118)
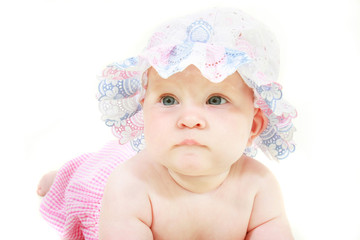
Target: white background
point(51, 52)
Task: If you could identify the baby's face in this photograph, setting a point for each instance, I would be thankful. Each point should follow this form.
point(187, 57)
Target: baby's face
point(196, 127)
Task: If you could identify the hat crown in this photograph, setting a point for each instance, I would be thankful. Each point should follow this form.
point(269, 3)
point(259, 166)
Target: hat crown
point(212, 34)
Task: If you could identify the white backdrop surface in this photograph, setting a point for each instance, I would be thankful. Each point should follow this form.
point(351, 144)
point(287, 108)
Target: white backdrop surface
point(52, 50)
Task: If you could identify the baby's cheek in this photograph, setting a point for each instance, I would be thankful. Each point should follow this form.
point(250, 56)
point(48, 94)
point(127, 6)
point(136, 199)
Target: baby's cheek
point(155, 126)
point(235, 129)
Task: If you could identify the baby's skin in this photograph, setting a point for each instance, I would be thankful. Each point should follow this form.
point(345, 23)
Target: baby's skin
point(192, 180)
point(45, 183)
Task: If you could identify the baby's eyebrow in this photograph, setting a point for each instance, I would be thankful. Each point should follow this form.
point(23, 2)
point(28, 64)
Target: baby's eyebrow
point(161, 87)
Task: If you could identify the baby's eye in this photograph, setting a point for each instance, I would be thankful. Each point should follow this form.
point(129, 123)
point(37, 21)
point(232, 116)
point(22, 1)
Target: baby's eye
point(168, 100)
point(216, 100)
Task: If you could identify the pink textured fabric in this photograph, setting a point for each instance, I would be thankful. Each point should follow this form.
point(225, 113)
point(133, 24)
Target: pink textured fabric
point(72, 206)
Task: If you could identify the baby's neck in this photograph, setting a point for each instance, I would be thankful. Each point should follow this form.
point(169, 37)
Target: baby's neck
point(199, 184)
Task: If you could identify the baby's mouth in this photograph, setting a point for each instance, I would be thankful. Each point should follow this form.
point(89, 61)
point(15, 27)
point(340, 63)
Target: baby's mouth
point(190, 142)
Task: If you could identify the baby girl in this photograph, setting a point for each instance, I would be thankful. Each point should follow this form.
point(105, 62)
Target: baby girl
point(190, 112)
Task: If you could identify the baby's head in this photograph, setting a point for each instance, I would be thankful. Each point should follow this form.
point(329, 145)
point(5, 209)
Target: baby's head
point(216, 46)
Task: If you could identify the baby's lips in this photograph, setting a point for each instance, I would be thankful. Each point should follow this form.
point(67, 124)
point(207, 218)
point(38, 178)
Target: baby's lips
point(190, 142)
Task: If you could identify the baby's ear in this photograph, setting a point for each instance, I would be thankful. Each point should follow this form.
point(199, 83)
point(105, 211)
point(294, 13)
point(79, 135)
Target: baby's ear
point(259, 125)
point(142, 101)
point(143, 95)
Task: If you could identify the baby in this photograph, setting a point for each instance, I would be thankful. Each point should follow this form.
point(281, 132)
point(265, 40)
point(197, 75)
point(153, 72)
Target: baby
point(203, 97)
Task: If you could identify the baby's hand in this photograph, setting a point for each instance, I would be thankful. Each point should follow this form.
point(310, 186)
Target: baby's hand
point(45, 183)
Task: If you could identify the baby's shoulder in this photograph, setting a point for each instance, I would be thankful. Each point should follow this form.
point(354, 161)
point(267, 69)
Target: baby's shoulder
point(255, 172)
point(254, 168)
point(267, 210)
point(126, 195)
point(132, 172)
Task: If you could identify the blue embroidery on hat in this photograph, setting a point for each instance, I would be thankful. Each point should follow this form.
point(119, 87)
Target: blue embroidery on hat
point(179, 53)
point(122, 89)
point(235, 57)
point(133, 61)
point(138, 143)
point(199, 31)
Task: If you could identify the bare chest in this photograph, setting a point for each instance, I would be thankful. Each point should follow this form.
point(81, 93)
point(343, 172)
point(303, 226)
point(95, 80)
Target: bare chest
point(200, 217)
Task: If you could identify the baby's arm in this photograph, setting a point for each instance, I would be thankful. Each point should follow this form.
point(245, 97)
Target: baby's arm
point(126, 209)
point(268, 219)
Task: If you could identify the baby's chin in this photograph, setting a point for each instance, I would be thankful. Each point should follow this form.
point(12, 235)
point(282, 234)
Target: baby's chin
point(199, 180)
point(190, 163)
point(193, 165)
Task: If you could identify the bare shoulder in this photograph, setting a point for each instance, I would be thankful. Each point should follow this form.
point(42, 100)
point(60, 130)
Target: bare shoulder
point(268, 218)
point(132, 172)
point(126, 207)
point(255, 168)
point(256, 172)
point(128, 182)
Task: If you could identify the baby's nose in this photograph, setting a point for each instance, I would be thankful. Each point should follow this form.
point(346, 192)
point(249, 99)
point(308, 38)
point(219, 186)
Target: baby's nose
point(191, 120)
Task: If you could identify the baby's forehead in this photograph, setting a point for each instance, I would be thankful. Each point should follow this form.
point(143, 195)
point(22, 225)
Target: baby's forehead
point(191, 75)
